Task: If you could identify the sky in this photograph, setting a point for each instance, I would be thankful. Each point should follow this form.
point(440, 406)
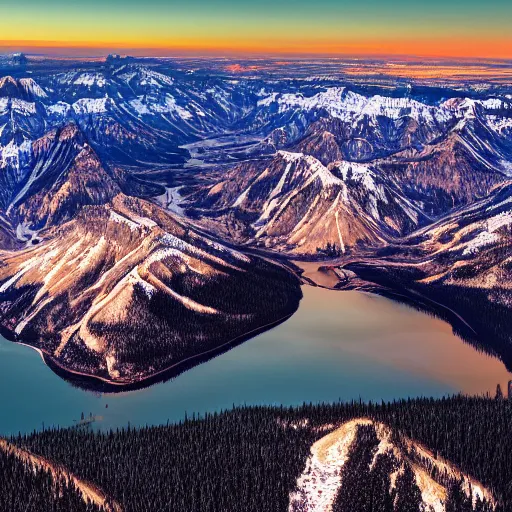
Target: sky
point(437, 28)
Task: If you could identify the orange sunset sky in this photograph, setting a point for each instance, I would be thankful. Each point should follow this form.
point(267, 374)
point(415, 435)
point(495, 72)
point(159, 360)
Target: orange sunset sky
point(449, 28)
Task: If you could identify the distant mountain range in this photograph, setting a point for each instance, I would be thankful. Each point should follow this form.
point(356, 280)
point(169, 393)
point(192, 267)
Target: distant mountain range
point(126, 183)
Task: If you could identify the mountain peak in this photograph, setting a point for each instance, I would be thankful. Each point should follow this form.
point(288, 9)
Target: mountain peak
point(13, 60)
point(67, 174)
point(22, 88)
point(115, 58)
point(10, 87)
point(19, 59)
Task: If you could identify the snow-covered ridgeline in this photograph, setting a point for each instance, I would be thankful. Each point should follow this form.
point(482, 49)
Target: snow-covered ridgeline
point(92, 105)
point(82, 106)
point(350, 171)
point(17, 105)
point(174, 242)
point(84, 79)
point(32, 88)
point(311, 165)
point(60, 108)
point(348, 106)
point(147, 77)
point(121, 219)
point(145, 105)
point(223, 249)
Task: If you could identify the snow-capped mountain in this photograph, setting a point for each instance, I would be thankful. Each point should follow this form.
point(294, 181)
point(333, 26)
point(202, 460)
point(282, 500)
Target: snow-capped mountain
point(349, 106)
point(23, 88)
point(470, 247)
point(296, 204)
point(22, 120)
point(364, 127)
point(67, 175)
point(137, 113)
point(13, 60)
point(131, 115)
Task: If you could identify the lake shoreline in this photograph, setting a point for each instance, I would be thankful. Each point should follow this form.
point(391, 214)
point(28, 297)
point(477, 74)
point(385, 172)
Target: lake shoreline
point(311, 273)
point(90, 382)
point(337, 347)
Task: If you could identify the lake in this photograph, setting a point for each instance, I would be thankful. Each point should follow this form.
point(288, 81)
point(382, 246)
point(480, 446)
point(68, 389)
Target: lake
point(339, 345)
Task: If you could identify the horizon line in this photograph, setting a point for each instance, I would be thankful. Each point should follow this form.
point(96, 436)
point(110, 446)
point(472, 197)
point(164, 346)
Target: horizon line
point(98, 50)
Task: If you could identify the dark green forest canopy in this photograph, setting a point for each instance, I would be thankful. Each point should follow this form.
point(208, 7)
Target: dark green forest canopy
point(247, 459)
point(23, 489)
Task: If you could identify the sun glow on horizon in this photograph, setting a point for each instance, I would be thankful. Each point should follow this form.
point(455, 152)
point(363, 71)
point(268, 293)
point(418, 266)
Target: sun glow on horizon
point(449, 28)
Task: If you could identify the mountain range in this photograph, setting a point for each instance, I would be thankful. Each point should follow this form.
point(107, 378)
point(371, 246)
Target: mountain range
point(142, 198)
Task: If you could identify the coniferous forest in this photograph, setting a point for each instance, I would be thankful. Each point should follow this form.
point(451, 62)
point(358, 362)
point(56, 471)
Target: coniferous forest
point(26, 489)
point(249, 458)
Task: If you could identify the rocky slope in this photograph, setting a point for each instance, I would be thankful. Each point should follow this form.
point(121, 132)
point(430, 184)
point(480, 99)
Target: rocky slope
point(294, 203)
point(462, 167)
point(66, 175)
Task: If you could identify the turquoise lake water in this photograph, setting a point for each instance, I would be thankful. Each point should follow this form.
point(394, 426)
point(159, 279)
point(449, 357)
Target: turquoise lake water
point(339, 345)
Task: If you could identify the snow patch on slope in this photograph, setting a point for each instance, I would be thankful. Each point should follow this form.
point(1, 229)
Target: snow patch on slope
point(91, 105)
point(319, 484)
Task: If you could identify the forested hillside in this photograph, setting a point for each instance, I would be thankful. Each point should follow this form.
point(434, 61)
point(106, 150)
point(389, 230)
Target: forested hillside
point(249, 459)
point(26, 489)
